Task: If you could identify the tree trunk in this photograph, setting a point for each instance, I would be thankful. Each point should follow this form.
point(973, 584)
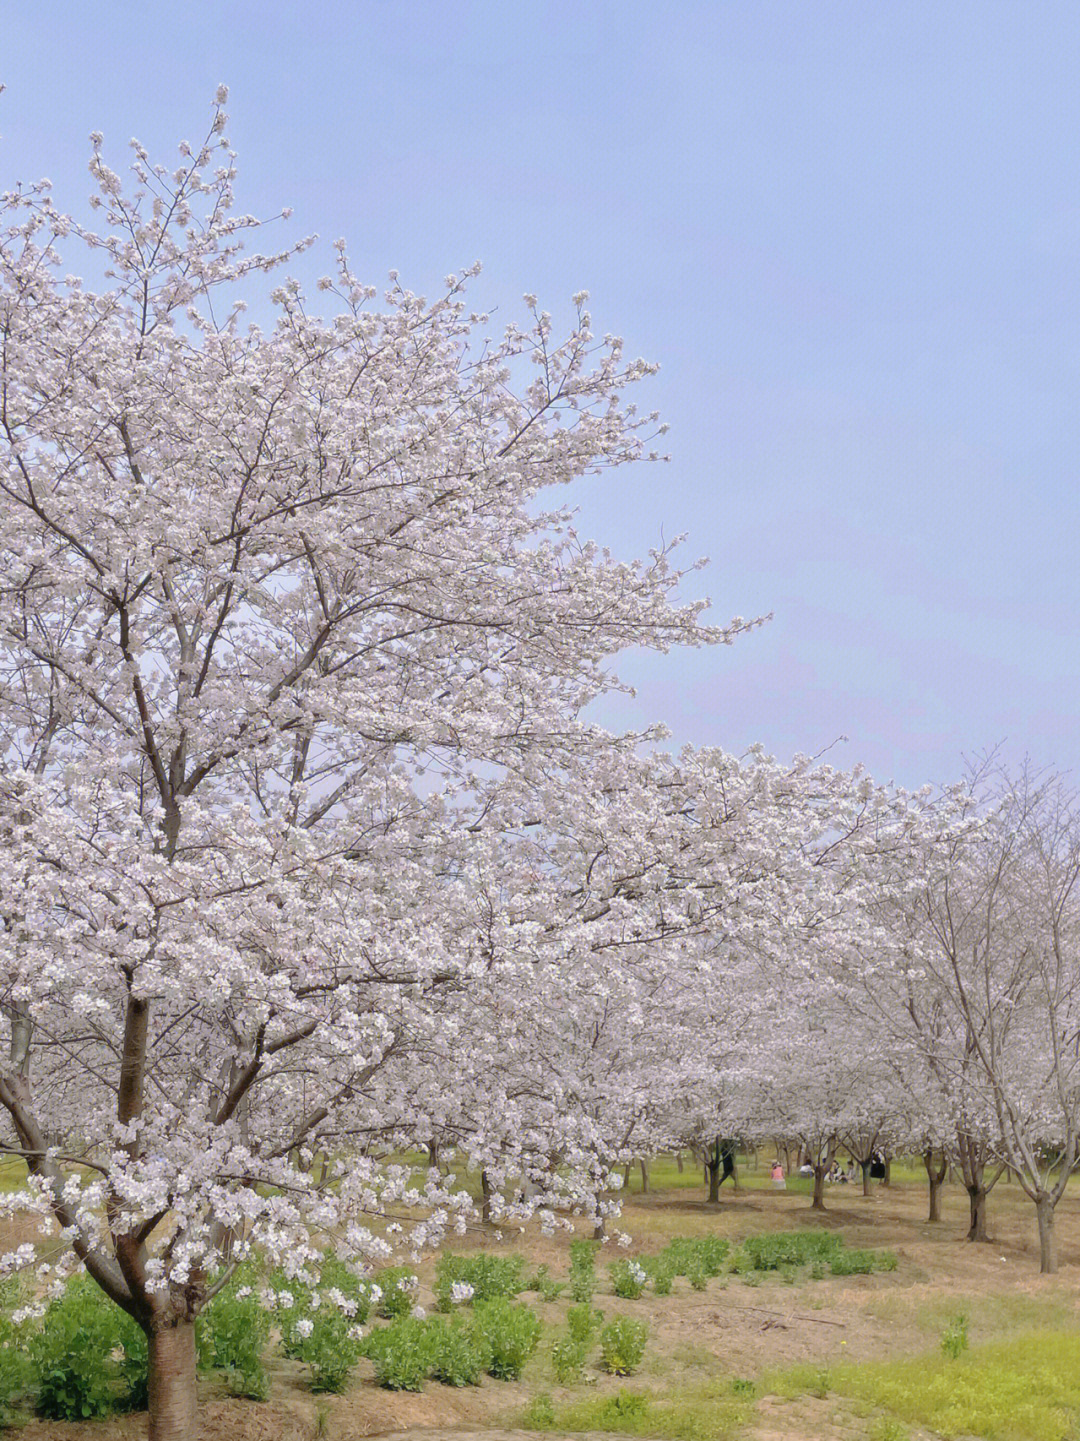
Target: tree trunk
point(977, 1202)
point(819, 1188)
point(865, 1177)
point(887, 1178)
point(935, 1175)
point(486, 1191)
point(713, 1171)
point(679, 1161)
point(935, 1199)
point(173, 1396)
point(1044, 1210)
point(644, 1176)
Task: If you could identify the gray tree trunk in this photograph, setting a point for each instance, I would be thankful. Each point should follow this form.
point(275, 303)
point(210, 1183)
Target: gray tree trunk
point(977, 1204)
point(1044, 1211)
point(935, 1175)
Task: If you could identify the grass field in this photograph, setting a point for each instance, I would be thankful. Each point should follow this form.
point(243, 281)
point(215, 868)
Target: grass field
point(958, 1341)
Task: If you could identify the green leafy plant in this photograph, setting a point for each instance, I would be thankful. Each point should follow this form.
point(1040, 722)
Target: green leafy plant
point(401, 1354)
point(954, 1338)
point(74, 1356)
point(583, 1255)
point(663, 1275)
point(487, 1276)
point(568, 1359)
point(742, 1386)
point(292, 1301)
point(853, 1263)
point(539, 1415)
point(16, 1375)
point(887, 1428)
point(622, 1345)
point(583, 1322)
point(625, 1406)
point(336, 1275)
point(510, 1333)
point(459, 1356)
point(133, 1362)
point(231, 1336)
point(713, 1251)
point(703, 1254)
point(327, 1348)
point(545, 1285)
point(628, 1279)
point(582, 1270)
point(788, 1248)
point(582, 1286)
point(394, 1292)
point(327, 1343)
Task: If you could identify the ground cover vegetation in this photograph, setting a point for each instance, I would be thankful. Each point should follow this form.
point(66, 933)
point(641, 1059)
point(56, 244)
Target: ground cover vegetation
point(922, 1337)
point(333, 932)
point(52, 1355)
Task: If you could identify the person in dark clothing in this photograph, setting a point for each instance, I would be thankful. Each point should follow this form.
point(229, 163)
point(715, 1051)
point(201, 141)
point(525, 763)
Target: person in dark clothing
point(727, 1159)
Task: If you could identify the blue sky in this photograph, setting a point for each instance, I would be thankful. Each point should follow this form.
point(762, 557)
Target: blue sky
point(848, 232)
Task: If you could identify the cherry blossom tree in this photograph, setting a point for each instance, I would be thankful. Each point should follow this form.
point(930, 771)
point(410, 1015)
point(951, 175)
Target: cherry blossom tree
point(642, 933)
point(1003, 942)
point(287, 642)
point(979, 969)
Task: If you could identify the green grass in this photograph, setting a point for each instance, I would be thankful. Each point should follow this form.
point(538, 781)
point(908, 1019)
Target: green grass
point(702, 1412)
point(992, 1314)
point(1024, 1389)
point(664, 1175)
point(12, 1175)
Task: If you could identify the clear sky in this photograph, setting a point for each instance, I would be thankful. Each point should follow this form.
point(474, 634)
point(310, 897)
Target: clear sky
point(849, 232)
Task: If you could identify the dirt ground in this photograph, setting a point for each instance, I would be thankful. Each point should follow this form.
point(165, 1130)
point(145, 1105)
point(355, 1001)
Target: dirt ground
point(730, 1330)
